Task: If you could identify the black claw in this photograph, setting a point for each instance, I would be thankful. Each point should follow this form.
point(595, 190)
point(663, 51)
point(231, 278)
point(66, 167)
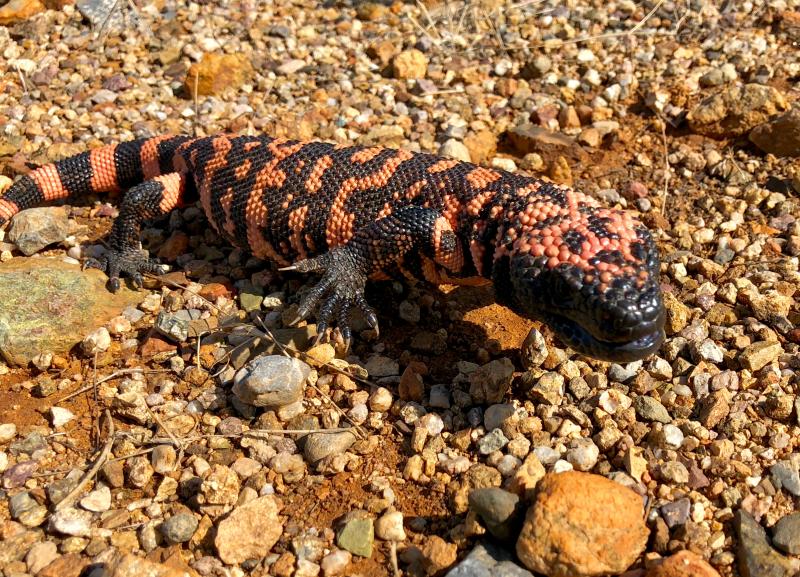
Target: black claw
point(322, 328)
point(113, 284)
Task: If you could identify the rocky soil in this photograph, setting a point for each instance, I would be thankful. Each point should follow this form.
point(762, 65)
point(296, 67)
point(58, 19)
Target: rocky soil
point(187, 429)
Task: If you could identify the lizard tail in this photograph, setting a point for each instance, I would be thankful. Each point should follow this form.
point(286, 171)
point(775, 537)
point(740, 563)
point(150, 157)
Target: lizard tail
point(105, 169)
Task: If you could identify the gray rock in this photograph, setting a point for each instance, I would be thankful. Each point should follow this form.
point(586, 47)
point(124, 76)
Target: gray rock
point(649, 409)
point(33, 229)
point(756, 556)
point(60, 488)
point(489, 383)
point(500, 511)
point(179, 528)
point(271, 381)
point(172, 326)
point(786, 476)
point(491, 442)
point(380, 366)
point(30, 444)
point(786, 534)
point(20, 503)
point(321, 445)
point(622, 374)
point(494, 415)
point(677, 513)
point(488, 560)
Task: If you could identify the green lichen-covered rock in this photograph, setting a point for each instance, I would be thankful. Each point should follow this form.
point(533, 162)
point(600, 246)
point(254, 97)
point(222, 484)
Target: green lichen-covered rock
point(47, 305)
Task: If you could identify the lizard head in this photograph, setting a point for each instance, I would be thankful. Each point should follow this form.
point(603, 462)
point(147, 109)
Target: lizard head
point(589, 273)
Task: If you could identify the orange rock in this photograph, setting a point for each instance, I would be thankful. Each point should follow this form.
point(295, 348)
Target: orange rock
point(682, 564)
point(217, 72)
point(213, 290)
point(482, 146)
point(582, 524)
point(19, 10)
point(410, 64)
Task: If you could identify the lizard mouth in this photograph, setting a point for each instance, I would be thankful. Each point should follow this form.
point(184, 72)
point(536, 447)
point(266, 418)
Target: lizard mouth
point(646, 340)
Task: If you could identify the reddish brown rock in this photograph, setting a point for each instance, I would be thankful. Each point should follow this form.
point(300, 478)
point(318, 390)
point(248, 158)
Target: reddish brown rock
point(780, 137)
point(682, 564)
point(582, 525)
point(69, 565)
point(176, 245)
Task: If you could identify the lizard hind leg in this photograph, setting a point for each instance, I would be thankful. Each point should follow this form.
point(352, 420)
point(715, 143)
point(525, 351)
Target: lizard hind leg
point(144, 201)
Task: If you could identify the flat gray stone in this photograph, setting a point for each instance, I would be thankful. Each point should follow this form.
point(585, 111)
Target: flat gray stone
point(488, 560)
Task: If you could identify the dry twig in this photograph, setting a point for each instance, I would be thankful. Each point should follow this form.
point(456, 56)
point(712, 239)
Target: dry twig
point(87, 476)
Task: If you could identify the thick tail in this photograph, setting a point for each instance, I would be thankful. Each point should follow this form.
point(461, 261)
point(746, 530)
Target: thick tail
point(105, 169)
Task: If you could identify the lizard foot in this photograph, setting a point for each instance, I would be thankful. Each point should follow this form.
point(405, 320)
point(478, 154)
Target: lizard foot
point(130, 263)
point(338, 293)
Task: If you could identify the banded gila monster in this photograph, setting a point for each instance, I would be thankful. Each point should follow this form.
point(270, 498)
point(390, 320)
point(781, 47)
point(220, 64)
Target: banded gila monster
point(354, 213)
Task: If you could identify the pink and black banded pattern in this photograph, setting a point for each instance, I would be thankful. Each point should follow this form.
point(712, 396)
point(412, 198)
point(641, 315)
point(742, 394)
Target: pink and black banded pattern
point(355, 213)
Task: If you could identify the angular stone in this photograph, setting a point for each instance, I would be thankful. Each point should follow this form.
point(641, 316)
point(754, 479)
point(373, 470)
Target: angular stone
point(216, 73)
point(682, 564)
point(250, 531)
point(756, 557)
point(129, 565)
point(357, 536)
point(490, 382)
point(786, 534)
point(488, 560)
point(321, 445)
point(736, 110)
point(780, 137)
point(35, 228)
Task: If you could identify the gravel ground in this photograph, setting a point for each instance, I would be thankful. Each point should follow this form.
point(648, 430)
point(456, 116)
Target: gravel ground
point(187, 430)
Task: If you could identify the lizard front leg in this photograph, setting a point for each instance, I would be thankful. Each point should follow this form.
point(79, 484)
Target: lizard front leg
point(147, 200)
point(372, 249)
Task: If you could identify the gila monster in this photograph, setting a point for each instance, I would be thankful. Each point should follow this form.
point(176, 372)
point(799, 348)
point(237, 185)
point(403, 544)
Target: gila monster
point(354, 213)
